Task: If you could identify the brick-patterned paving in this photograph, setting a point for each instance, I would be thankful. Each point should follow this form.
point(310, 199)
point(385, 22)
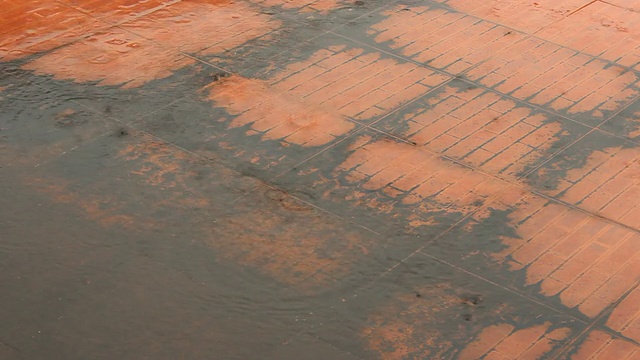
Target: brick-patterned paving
point(422, 133)
point(150, 48)
point(523, 15)
point(308, 103)
point(606, 30)
point(480, 128)
point(416, 177)
point(607, 184)
point(585, 261)
point(278, 116)
point(511, 62)
point(625, 319)
point(503, 341)
point(600, 345)
point(28, 28)
point(358, 84)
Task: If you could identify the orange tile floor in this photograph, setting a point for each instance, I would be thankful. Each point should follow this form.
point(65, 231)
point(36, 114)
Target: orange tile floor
point(320, 179)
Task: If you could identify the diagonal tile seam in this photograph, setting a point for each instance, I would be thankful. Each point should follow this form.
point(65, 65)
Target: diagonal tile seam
point(300, 22)
point(618, 6)
point(369, 126)
point(574, 337)
point(507, 96)
point(422, 250)
point(577, 10)
point(592, 130)
point(516, 184)
point(372, 127)
point(612, 63)
point(594, 325)
point(11, 347)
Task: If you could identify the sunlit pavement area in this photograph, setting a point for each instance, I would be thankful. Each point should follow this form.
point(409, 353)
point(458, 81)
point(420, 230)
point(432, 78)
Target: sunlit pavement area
point(319, 179)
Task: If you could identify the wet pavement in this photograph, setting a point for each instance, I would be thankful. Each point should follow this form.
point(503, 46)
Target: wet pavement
point(319, 179)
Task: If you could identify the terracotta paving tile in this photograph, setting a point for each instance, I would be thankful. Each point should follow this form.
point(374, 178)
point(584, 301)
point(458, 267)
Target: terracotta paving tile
point(391, 330)
point(585, 261)
point(625, 318)
point(529, 17)
point(118, 57)
point(314, 98)
point(601, 29)
point(450, 179)
point(630, 4)
point(503, 341)
point(599, 345)
point(526, 68)
point(487, 131)
point(30, 27)
point(119, 10)
point(604, 183)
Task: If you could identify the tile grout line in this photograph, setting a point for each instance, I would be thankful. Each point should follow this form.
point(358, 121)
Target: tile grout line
point(369, 126)
point(486, 88)
point(534, 191)
point(532, 35)
point(590, 324)
point(593, 324)
point(592, 130)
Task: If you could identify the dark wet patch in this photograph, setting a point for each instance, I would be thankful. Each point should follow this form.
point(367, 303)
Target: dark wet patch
point(626, 123)
point(397, 324)
point(554, 172)
point(375, 209)
point(38, 124)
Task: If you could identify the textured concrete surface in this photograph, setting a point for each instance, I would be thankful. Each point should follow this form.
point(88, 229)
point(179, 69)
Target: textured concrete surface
point(330, 179)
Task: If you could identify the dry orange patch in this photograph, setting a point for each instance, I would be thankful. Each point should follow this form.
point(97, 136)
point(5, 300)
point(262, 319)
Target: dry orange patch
point(608, 184)
point(29, 27)
point(118, 57)
point(416, 177)
point(502, 341)
point(358, 84)
point(290, 242)
point(588, 262)
point(278, 115)
point(307, 103)
point(600, 345)
point(482, 129)
point(283, 237)
point(627, 4)
point(117, 11)
point(625, 318)
point(528, 16)
point(513, 63)
point(601, 29)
